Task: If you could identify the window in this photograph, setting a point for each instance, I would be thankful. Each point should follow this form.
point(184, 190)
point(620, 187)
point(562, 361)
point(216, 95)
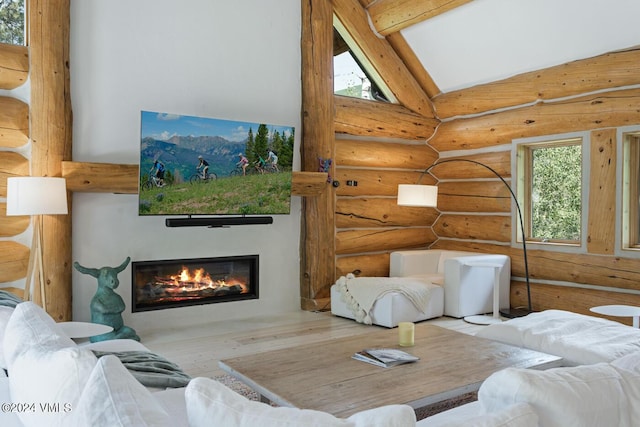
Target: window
point(550, 190)
point(631, 190)
point(350, 76)
point(12, 22)
point(349, 79)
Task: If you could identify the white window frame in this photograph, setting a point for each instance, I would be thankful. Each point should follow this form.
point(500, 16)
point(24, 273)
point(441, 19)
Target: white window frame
point(518, 183)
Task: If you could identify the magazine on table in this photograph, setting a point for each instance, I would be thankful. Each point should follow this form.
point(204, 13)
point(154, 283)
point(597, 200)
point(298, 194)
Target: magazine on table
point(384, 357)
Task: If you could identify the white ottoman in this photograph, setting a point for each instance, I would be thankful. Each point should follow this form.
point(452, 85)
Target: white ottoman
point(393, 307)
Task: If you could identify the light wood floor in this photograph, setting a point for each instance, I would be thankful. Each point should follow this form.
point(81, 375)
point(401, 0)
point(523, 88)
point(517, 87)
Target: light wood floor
point(198, 349)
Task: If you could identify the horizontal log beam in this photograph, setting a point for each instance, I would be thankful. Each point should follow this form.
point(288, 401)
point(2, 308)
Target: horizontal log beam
point(309, 183)
point(100, 177)
point(378, 182)
point(14, 66)
point(609, 71)
point(474, 227)
point(602, 110)
point(363, 117)
point(385, 239)
point(379, 58)
point(14, 122)
point(380, 212)
point(370, 265)
point(577, 300)
point(499, 161)
point(585, 269)
point(383, 154)
point(14, 259)
point(12, 225)
point(390, 16)
point(123, 179)
point(11, 164)
point(473, 196)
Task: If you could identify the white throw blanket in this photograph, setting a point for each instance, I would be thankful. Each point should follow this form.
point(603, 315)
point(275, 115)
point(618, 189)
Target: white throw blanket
point(362, 292)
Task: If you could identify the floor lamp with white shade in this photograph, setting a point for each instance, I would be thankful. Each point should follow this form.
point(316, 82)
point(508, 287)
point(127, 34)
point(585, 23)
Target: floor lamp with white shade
point(36, 196)
point(427, 196)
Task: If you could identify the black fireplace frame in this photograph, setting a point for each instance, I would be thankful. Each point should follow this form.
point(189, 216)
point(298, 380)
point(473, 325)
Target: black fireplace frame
point(253, 282)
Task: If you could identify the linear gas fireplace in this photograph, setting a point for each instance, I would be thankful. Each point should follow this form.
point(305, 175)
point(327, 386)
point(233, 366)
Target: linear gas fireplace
point(163, 284)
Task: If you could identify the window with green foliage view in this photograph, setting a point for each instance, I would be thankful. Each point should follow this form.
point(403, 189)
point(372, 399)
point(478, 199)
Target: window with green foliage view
point(12, 22)
point(553, 190)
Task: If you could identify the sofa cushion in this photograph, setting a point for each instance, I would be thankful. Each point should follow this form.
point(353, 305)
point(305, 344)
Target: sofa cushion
point(113, 397)
point(211, 403)
point(5, 314)
point(385, 416)
point(45, 366)
point(629, 369)
point(8, 301)
point(518, 415)
point(30, 326)
point(577, 338)
point(581, 396)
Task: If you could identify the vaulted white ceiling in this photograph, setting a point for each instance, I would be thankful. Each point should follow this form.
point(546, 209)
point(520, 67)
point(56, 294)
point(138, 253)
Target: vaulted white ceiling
point(488, 40)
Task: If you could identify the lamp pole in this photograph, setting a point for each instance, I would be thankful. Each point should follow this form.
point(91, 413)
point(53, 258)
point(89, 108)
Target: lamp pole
point(510, 313)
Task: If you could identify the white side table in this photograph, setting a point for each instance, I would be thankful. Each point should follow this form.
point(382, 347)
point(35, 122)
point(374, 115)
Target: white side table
point(483, 319)
point(84, 329)
point(619, 311)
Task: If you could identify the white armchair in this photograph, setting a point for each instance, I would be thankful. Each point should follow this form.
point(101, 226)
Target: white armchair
point(468, 287)
point(463, 289)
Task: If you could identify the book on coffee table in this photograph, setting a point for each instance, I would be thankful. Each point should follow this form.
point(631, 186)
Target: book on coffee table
point(384, 357)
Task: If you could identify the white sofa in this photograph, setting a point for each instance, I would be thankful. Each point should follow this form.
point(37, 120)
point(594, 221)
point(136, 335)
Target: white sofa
point(599, 395)
point(54, 382)
point(600, 386)
point(577, 338)
point(462, 287)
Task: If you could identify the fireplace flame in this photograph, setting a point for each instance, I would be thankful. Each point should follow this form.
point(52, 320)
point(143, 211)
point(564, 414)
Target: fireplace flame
point(198, 279)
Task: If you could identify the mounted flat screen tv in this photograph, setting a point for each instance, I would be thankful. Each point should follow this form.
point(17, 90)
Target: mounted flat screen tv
point(209, 166)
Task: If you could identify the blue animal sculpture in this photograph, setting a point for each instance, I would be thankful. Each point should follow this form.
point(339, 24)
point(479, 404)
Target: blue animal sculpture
point(106, 305)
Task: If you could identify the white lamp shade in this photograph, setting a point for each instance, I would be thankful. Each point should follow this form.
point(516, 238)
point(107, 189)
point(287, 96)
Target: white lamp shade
point(418, 195)
point(36, 196)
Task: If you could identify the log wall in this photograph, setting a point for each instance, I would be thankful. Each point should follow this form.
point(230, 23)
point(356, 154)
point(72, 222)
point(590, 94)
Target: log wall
point(369, 223)
point(570, 281)
point(474, 206)
point(45, 122)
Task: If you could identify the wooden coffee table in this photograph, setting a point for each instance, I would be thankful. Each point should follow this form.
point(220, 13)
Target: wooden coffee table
point(322, 376)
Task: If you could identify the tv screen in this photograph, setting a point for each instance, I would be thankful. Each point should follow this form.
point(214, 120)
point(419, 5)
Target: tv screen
point(208, 166)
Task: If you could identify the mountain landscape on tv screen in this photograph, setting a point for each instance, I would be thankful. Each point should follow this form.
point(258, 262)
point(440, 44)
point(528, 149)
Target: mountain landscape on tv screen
point(182, 145)
point(180, 153)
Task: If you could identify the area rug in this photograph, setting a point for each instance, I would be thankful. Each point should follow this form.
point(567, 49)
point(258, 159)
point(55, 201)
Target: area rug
point(421, 413)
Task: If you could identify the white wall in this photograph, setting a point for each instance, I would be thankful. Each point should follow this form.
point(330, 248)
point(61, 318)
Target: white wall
point(238, 60)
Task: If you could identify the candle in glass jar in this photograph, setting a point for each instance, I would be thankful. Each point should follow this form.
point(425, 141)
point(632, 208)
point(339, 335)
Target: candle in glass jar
point(406, 332)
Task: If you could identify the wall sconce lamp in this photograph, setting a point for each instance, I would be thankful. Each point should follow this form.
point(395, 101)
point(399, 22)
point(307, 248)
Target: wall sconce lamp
point(427, 196)
point(36, 196)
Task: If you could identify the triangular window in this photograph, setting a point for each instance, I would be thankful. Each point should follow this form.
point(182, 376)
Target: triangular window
point(350, 78)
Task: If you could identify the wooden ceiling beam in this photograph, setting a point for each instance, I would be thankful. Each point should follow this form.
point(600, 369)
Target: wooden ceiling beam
point(381, 58)
point(608, 71)
point(408, 56)
point(391, 16)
